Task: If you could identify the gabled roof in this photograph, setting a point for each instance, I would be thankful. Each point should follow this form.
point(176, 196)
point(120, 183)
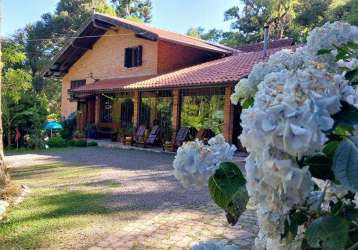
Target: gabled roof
point(99, 24)
point(279, 43)
point(219, 72)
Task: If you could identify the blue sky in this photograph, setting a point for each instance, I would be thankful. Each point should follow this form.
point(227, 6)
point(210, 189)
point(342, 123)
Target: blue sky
point(174, 15)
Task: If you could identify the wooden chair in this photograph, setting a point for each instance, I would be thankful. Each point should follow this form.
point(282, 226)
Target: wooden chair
point(205, 134)
point(181, 136)
point(154, 137)
point(139, 135)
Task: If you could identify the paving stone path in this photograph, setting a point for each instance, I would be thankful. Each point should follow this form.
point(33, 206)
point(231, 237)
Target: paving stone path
point(175, 227)
point(171, 217)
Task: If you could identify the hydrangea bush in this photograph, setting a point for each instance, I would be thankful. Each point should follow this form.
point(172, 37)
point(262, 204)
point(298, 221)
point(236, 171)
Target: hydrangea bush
point(196, 162)
point(299, 127)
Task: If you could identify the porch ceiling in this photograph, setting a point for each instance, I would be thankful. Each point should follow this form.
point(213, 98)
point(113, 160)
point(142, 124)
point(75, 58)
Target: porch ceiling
point(109, 85)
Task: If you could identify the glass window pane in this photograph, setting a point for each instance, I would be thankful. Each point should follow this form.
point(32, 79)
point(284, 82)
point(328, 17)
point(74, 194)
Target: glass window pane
point(203, 112)
point(106, 108)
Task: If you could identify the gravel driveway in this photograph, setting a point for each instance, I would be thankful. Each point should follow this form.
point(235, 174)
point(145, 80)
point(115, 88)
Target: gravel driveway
point(146, 178)
point(147, 184)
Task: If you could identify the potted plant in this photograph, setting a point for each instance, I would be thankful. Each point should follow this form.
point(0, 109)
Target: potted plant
point(168, 144)
point(128, 135)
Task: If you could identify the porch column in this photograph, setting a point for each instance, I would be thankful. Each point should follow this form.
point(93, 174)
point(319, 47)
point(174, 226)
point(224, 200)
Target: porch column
point(97, 110)
point(136, 111)
point(228, 115)
point(175, 113)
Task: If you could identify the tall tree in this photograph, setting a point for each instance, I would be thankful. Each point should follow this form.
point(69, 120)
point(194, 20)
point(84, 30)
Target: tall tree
point(141, 9)
point(251, 20)
point(196, 32)
point(292, 18)
point(345, 10)
point(44, 38)
point(228, 38)
point(4, 176)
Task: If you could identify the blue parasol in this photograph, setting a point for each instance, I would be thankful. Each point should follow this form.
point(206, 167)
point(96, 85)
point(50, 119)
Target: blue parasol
point(53, 125)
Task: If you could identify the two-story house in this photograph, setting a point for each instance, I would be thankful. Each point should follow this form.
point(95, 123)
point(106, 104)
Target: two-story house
point(117, 73)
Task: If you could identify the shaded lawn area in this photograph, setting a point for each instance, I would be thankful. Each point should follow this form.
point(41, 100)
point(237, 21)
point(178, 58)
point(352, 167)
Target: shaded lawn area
point(65, 209)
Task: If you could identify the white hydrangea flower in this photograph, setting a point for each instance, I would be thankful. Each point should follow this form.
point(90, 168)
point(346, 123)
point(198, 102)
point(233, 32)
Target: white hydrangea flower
point(221, 150)
point(214, 245)
point(351, 64)
point(196, 162)
point(245, 89)
point(332, 192)
point(327, 36)
point(297, 94)
point(356, 200)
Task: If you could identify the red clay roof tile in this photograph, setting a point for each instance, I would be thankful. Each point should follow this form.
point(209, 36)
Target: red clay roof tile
point(222, 71)
point(226, 70)
point(176, 37)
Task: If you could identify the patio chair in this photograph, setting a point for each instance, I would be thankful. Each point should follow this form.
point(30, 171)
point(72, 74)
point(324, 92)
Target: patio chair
point(139, 135)
point(204, 135)
point(154, 137)
point(181, 136)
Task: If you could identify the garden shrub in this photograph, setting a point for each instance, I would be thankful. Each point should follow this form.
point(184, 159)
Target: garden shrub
point(71, 143)
point(92, 144)
point(69, 127)
point(80, 143)
point(36, 140)
point(57, 142)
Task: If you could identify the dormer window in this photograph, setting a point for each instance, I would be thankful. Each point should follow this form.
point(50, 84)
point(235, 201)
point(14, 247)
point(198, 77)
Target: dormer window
point(133, 57)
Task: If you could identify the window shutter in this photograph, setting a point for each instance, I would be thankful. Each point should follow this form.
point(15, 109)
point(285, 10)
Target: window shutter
point(128, 58)
point(139, 55)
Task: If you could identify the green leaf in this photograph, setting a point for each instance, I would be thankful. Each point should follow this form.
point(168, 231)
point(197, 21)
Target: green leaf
point(345, 163)
point(320, 167)
point(227, 189)
point(323, 51)
point(347, 116)
point(352, 74)
point(329, 232)
point(248, 103)
point(296, 218)
point(330, 148)
point(352, 45)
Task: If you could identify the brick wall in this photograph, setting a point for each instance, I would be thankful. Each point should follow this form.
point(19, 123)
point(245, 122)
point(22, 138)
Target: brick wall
point(106, 61)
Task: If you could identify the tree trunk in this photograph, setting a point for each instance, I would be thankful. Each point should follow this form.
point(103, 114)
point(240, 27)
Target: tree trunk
point(9, 138)
point(4, 177)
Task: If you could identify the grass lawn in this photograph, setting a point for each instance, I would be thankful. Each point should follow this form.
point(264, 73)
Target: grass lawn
point(65, 209)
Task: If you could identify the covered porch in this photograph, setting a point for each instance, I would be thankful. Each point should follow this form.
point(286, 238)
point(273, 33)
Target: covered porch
point(119, 113)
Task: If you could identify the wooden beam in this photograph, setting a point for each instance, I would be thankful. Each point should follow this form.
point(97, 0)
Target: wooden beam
point(97, 110)
point(175, 113)
point(136, 111)
point(228, 114)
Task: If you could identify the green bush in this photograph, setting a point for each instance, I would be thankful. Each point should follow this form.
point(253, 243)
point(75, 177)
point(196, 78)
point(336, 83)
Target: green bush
point(81, 143)
point(71, 143)
point(36, 140)
point(92, 144)
point(69, 127)
point(57, 142)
